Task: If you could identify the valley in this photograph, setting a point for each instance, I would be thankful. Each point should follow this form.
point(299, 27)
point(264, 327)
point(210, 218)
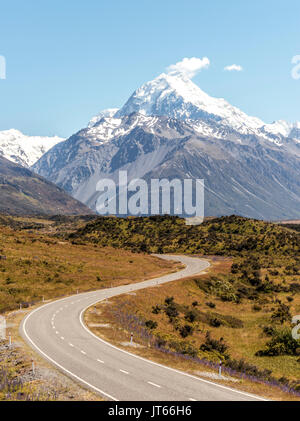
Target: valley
point(239, 311)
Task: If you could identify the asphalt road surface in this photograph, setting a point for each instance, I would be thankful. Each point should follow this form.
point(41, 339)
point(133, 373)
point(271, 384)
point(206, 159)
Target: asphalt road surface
point(57, 331)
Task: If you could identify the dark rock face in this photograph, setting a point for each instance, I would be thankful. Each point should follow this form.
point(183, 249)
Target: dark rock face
point(24, 193)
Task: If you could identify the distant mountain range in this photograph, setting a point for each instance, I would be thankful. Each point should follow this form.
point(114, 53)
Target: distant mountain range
point(24, 193)
point(170, 128)
point(25, 150)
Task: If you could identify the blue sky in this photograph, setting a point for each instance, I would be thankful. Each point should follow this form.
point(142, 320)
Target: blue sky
point(67, 60)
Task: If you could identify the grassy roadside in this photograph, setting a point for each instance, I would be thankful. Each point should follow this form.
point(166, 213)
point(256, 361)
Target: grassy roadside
point(46, 383)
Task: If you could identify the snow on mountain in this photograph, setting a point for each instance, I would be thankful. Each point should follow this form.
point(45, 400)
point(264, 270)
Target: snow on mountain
point(109, 112)
point(137, 142)
point(177, 96)
point(295, 132)
point(284, 129)
point(112, 127)
point(22, 149)
point(279, 127)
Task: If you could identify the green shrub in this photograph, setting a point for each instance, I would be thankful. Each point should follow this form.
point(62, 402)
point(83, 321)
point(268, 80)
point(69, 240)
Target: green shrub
point(156, 309)
point(282, 313)
point(282, 343)
point(211, 344)
point(191, 316)
point(186, 330)
point(150, 324)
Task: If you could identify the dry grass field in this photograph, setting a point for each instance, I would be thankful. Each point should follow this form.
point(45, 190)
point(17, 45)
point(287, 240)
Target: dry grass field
point(35, 265)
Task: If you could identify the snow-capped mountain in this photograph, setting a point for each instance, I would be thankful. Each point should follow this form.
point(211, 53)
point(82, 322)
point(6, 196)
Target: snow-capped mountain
point(171, 128)
point(22, 149)
point(177, 96)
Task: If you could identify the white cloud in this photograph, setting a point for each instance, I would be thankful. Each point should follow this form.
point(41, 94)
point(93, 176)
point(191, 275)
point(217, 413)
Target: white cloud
point(233, 68)
point(189, 66)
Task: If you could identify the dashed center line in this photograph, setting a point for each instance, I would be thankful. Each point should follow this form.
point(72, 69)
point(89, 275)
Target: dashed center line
point(123, 371)
point(62, 338)
point(71, 345)
point(191, 399)
point(100, 361)
point(154, 384)
point(82, 352)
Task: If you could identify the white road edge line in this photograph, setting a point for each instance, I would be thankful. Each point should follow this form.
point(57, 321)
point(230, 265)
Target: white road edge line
point(56, 363)
point(154, 384)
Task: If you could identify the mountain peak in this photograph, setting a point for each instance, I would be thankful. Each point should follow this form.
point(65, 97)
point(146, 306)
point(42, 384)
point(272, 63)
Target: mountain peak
point(176, 96)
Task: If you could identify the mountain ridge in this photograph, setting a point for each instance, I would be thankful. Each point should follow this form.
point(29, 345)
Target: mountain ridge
point(25, 150)
point(23, 192)
point(249, 168)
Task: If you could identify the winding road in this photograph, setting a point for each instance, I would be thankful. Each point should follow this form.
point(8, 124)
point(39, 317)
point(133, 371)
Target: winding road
point(57, 332)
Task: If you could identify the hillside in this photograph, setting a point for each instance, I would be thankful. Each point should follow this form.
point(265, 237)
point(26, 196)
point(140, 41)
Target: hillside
point(239, 312)
point(228, 236)
point(38, 264)
point(24, 193)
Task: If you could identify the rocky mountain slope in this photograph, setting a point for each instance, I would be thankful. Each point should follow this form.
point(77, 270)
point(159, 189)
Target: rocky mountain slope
point(171, 128)
point(24, 193)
